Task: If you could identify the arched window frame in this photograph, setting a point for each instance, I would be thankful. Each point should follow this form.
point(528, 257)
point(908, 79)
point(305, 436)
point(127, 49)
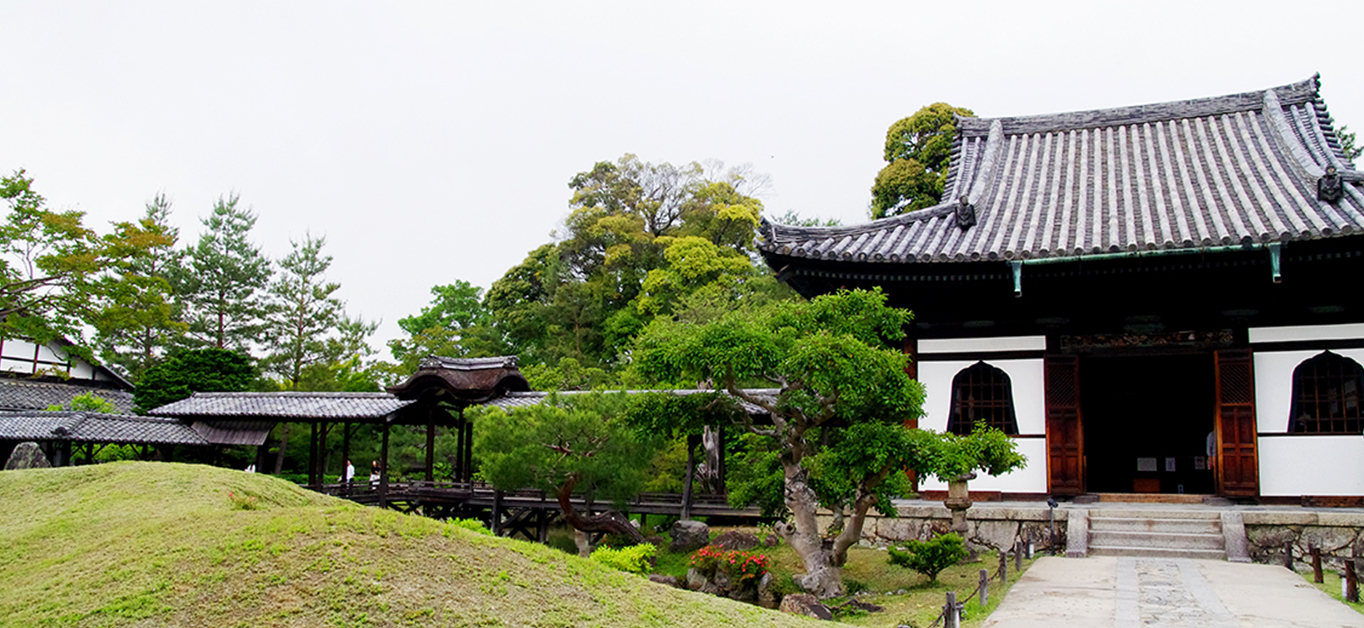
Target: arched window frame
point(982, 393)
point(1328, 390)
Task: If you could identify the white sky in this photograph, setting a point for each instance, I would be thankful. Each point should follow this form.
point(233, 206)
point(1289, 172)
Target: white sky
point(434, 141)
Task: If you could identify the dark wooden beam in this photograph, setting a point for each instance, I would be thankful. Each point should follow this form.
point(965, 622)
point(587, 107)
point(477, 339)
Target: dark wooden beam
point(431, 443)
point(383, 469)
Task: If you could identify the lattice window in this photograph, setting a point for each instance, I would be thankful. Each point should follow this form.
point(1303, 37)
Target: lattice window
point(982, 394)
point(1326, 396)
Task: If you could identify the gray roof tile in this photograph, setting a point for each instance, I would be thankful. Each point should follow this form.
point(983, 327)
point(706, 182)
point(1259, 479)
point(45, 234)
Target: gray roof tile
point(283, 405)
point(95, 427)
point(1229, 170)
point(528, 399)
point(19, 394)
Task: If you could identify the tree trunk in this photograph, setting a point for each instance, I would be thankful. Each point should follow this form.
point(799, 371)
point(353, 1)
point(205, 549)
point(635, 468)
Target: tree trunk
point(609, 522)
point(823, 577)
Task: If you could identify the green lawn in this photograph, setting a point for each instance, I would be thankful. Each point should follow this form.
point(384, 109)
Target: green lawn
point(133, 544)
point(1331, 586)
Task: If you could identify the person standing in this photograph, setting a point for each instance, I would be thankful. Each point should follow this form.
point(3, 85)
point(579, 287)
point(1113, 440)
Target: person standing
point(348, 475)
point(374, 473)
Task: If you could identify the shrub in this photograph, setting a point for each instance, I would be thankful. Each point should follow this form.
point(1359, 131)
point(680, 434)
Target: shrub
point(634, 559)
point(243, 502)
point(930, 557)
point(472, 525)
point(744, 568)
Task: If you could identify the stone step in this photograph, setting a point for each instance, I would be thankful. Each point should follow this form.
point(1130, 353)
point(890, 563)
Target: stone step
point(1193, 526)
point(1154, 513)
point(1161, 540)
point(1156, 552)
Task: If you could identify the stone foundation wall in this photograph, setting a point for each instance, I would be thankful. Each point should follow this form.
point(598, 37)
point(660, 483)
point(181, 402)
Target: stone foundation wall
point(989, 527)
point(1337, 533)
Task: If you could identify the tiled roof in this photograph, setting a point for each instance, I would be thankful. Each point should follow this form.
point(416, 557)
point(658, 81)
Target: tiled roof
point(95, 427)
point(18, 394)
point(1230, 170)
point(468, 364)
point(527, 399)
point(283, 405)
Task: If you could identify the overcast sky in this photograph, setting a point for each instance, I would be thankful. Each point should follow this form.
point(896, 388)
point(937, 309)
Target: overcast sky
point(434, 141)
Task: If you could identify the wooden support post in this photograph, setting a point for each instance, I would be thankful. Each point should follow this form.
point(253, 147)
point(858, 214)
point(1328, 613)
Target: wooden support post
point(692, 441)
point(1018, 556)
point(1003, 566)
point(1351, 581)
point(1288, 555)
point(383, 467)
point(431, 444)
point(949, 612)
point(345, 450)
point(984, 588)
point(312, 455)
point(497, 513)
point(542, 525)
point(1316, 563)
point(467, 444)
point(721, 486)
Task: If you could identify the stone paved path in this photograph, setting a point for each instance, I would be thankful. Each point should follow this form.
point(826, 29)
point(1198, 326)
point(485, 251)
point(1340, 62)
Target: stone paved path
point(1149, 592)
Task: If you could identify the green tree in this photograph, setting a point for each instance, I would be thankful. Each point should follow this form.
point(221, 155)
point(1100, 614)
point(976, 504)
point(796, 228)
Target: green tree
point(47, 261)
point(930, 558)
point(306, 323)
point(456, 324)
point(1347, 143)
point(568, 445)
point(186, 372)
point(225, 288)
point(918, 152)
point(137, 319)
point(841, 379)
point(87, 402)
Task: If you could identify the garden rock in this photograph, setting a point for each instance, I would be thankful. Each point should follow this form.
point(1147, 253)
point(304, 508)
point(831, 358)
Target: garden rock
point(805, 604)
point(671, 581)
point(689, 536)
point(767, 598)
point(736, 540)
point(27, 455)
point(772, 540)
point(695, 580)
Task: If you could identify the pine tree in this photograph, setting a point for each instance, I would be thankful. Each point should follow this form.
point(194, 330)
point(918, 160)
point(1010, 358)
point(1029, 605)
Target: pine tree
point(224, 292)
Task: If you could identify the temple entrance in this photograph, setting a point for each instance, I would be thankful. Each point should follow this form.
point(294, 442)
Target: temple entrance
point(1146, 423)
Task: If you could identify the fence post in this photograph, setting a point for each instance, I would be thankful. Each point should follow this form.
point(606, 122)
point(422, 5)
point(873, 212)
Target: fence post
point(1018, 556)
point(1004, 566)
point(1288, 555)
point(1351, 578)
point(1316, 563)
point(949, 612)
point(984, 588)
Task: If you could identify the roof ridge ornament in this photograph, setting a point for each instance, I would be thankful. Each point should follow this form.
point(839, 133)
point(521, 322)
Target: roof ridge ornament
point(965, 213)
point(1329, 187)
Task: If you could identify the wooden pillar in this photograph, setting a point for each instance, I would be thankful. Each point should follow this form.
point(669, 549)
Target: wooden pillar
point(721, 487)
point(542, 525)
point(497, 513)
point(312, 455)
point(691, 474)
point(468, 446)
point(383, 468)
point(431, 444)
point(345, 449)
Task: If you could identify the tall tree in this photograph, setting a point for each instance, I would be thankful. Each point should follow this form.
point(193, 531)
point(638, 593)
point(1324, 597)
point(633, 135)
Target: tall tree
point(47, 260)
point(225, 290)
point(918, 152)
point(842, 380)
point(137, 320)
point(306, 323)
point(186, 372)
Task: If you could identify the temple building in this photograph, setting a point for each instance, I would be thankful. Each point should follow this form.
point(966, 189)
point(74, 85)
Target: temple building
point(1160, 298)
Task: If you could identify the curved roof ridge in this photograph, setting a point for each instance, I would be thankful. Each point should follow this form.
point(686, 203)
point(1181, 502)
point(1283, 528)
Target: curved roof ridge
point(1290, 94)
point(774, 231)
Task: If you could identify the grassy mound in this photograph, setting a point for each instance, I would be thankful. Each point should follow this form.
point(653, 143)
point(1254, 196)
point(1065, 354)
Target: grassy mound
point(165, 544)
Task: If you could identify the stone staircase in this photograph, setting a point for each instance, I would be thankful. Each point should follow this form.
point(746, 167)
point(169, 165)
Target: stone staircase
point(1155, 533)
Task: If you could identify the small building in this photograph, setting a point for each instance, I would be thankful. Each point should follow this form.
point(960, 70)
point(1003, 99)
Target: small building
point(1153, 299)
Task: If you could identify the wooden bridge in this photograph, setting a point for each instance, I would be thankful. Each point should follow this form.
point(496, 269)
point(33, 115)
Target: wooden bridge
point(528, 513)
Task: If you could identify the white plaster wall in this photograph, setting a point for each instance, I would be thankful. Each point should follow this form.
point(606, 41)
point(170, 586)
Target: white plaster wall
point(1274, 386)
point(1290, 333)
point(1026, 380)
point(983, 345)
point(1030, 479)
point(1311, 465)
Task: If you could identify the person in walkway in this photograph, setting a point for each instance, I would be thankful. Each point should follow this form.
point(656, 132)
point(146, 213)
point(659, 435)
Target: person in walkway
point(348, 475)
point(374, 473)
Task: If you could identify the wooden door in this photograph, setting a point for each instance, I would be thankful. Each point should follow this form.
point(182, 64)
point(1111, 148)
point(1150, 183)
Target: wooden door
point(1065, 439)
point(1238, 466)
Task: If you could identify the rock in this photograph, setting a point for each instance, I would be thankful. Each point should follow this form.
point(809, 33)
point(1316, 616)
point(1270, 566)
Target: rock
point(767, 598)
point(689, 536)
point(862, 606)
point(736, 540)
point(27, 455)
point(655, 540)
point(671, 581)
point(695, 580)
point(772, 540)
point(805, 604)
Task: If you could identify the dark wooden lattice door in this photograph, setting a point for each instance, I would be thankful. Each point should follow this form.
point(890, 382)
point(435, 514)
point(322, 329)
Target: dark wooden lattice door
point(1065, 439)
point(1239, 468)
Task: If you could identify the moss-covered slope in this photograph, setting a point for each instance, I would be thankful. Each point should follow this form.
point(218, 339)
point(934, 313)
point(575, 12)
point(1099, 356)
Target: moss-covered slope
point(165, 544)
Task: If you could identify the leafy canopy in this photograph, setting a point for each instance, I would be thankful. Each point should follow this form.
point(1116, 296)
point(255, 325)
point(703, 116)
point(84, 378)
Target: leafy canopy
point(186, 372)
point(918, 152)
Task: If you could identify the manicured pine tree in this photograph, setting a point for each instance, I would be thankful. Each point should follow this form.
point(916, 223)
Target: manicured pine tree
point(224, 291)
